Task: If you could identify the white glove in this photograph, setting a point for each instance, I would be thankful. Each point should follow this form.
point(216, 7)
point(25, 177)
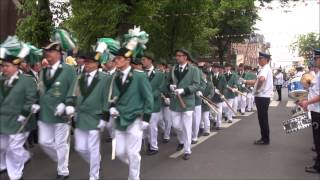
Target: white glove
point(114, 112)
point(21, 118)
point(199, 93)
point(70, 110)
point(217, 91)
point(179, 91)
point(102, 124)
point(59, 109)
point(251, 88)
point(144, 125)
point(222, 96)
point(241, 81)
point(167, 101)
point(243, 85)
point(173, 87)
point(35, 108)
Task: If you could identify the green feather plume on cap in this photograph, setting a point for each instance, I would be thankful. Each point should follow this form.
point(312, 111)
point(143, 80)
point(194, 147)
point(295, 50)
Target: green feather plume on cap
point(136, 41)
point(106, 47)
point(65, 38)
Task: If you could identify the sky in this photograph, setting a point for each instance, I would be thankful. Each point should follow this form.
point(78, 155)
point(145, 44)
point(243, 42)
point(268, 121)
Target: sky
point(281, 26)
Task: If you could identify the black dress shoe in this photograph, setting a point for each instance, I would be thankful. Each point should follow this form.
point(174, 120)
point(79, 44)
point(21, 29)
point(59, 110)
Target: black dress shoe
point(180, 147)
point(313, 149)
point(186, 156)
point(151, 152)
point(206, 134)
point(312, 169)
point(61, 177)
point(194, 142)
point(218, 128)
point(260, 142)
point(165, 141)
point(229, 121)
point(242, 113)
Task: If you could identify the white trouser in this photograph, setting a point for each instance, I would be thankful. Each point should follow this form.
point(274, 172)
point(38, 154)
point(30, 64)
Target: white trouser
point(128, 147)
point(196, 119)
point(153, 130)
point(250, 100)
point(206, 121)
point(166, 114)
point(161, 122)
point(229, 112)
point(13, 155)
point(182, 122)
point(243, 103)
point(235, 105)
point(55, 141)
point(219, 114)
point(87, 143)
point(110, 127)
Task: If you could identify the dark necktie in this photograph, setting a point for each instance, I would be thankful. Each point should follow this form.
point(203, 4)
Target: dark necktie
point(86, 80)
point(180, 69)
point(48, 74)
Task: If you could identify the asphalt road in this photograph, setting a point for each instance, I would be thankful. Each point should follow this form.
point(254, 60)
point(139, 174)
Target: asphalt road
point(228, 154)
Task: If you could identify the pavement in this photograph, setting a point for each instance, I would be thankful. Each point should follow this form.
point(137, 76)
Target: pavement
point(225, 154)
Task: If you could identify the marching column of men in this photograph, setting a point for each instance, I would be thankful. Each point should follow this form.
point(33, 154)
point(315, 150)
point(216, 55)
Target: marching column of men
point(122, 99)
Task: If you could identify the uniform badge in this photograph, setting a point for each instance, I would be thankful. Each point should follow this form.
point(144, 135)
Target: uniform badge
point(56, 91)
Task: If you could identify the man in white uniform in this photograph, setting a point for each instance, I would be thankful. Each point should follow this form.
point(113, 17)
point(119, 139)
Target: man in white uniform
point(263, 91)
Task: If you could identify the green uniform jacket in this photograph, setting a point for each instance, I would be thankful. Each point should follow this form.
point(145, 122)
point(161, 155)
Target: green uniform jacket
point(220, 84)
point(250, 76)
point(202, 86)
point(189, 80)
point(90, 102)
point(231, 82)
point(157, 81)
point(208, 92)
point(16, 101)
point(134, 98)
point(54, 92)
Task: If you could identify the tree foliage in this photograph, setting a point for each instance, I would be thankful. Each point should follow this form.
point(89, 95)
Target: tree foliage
point(37, 23)
point(172, 24)
point(305, 44)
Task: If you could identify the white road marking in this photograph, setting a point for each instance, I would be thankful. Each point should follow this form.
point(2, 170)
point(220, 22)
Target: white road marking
point(246, 114)
point(225, 124)
point(204, 138)
point(274, 103)
point(200, 140)
point(291, 104)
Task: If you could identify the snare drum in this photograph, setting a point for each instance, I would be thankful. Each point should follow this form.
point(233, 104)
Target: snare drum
point(296, 89)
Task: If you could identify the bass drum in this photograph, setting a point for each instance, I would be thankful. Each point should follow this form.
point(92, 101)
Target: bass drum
point(297, 123)
point(296, 90)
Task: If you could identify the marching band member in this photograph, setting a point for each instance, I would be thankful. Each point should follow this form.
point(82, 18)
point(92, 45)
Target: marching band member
point(250, 75)
point(219, 83)
point(313, 105)
point(87, 102)
point(207, 92)
point(18, 94)
point(157, 81)
point(35, 68)
point(196, 119)
point(165, 109)
point(54, 129)
point(184, 82)
point(278, 82)
point(132, 111)
point(242, 100)
point(229, 93)
point(263, 92)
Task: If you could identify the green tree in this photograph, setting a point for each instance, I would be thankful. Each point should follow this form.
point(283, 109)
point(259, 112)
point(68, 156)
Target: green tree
point(36, 24)
point(231, 17)
point(305, 44)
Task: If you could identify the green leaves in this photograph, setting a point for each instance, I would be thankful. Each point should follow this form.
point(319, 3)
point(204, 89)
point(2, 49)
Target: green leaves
point(305, 44)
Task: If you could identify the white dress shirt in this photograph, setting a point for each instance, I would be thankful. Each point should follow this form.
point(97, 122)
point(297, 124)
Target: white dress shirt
point(125, 73)
point(266, 89)
point(91, 76)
